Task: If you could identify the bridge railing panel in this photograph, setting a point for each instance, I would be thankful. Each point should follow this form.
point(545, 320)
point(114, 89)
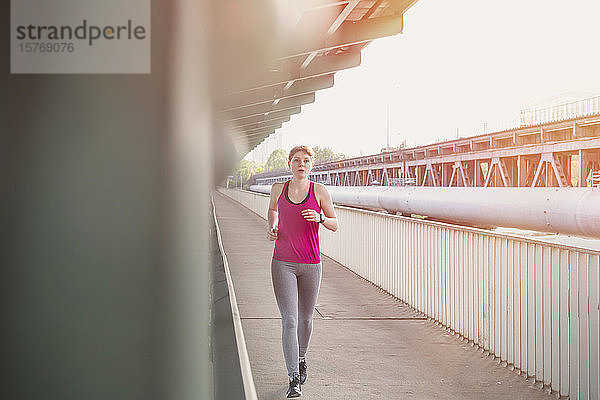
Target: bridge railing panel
point(532, 304)
point(559, 112)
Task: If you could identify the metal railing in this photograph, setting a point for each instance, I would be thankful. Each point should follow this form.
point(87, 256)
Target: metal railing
point(533, 304)
point(246, 370)
point(575, 109)
point(594, 179)
point(402, 181)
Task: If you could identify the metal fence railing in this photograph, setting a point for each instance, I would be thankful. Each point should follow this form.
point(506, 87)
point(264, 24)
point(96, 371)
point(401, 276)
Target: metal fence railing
point(575, 109)
point(244, 361)
point(594, 179)
point(533, 304)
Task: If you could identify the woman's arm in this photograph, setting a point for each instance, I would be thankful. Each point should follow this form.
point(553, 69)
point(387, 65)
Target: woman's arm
point(326, 204)
point(272, 212)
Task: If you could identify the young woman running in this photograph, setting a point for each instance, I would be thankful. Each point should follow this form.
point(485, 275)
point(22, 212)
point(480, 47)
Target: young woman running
point(296, 210)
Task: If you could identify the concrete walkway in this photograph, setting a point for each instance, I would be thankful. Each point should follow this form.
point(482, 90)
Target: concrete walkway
point(365, 344)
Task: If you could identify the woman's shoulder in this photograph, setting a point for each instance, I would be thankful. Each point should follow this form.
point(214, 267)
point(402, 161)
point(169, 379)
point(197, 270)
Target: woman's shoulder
point(321, 191)
point(277, 188)
point(320, 188)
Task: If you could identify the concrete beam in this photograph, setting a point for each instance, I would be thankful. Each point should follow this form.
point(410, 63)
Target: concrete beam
point(267, 116)
point(290, 102)
point(288, 71)
point(262, 134)
point(250, 132)
point(264, 124)
point(271, 93)
point(349, 33)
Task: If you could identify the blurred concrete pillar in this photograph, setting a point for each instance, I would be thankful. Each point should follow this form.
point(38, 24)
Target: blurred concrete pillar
point(190, 175)
point(105, 182)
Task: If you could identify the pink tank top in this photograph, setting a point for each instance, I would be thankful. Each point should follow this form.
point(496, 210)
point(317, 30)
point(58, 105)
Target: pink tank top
point(298, 239)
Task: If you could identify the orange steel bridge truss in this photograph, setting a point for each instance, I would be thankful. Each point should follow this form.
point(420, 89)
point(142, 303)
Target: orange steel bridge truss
point(554, 154)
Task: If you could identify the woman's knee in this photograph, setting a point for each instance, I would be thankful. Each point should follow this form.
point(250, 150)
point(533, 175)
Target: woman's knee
point(305, 322)
point(289, 322)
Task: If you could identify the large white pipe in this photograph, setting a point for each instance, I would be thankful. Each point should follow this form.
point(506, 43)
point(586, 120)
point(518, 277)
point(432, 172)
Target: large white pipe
point(573, 211)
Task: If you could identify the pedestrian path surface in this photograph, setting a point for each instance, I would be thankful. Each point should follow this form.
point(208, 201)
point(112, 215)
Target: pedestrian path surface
point(365, 343)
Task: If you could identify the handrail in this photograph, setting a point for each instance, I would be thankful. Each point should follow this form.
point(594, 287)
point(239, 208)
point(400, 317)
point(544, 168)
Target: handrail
point(594, 179)
point(248, 381)
point(574, 109)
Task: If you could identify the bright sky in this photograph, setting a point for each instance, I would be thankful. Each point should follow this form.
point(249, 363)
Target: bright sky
point(457, 64)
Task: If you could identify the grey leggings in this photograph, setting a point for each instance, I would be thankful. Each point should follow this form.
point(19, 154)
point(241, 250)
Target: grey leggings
point(296, 288)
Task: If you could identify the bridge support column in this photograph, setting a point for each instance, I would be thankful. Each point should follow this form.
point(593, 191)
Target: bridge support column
point(521, 171)
point(511, 167)
point(445, 181)
point(419, 175)
point(489, 174)
point(357, 181)
point(384, 178)
point(550, 172)
point(460, 174)
point(469, 170)
point(478, 174)
point(408, 173)
point(584, 168)
point(502, 173)
point(565, 163)
point(430, 173)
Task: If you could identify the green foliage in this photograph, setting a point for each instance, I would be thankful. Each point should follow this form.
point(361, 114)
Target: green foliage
point(248, 168)
point(394, 148)
point(574, 170)
point(277, 160)
point(325, 154)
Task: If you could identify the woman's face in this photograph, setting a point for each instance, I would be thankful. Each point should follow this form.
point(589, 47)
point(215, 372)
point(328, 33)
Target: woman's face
point(301, 164)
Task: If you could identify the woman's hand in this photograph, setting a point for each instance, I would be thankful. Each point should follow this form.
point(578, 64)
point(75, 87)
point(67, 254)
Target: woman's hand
point(311, 215)
point(273, 233)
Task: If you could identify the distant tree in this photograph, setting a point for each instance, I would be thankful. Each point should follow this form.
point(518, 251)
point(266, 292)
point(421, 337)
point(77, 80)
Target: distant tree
point(401, 146)
point(325, 154)
point(247, 168)
point(277, 160)
point(574, 171)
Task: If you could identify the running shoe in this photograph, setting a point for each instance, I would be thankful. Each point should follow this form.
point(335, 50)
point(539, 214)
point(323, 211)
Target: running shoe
point(302, 367)
point(294, 390)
